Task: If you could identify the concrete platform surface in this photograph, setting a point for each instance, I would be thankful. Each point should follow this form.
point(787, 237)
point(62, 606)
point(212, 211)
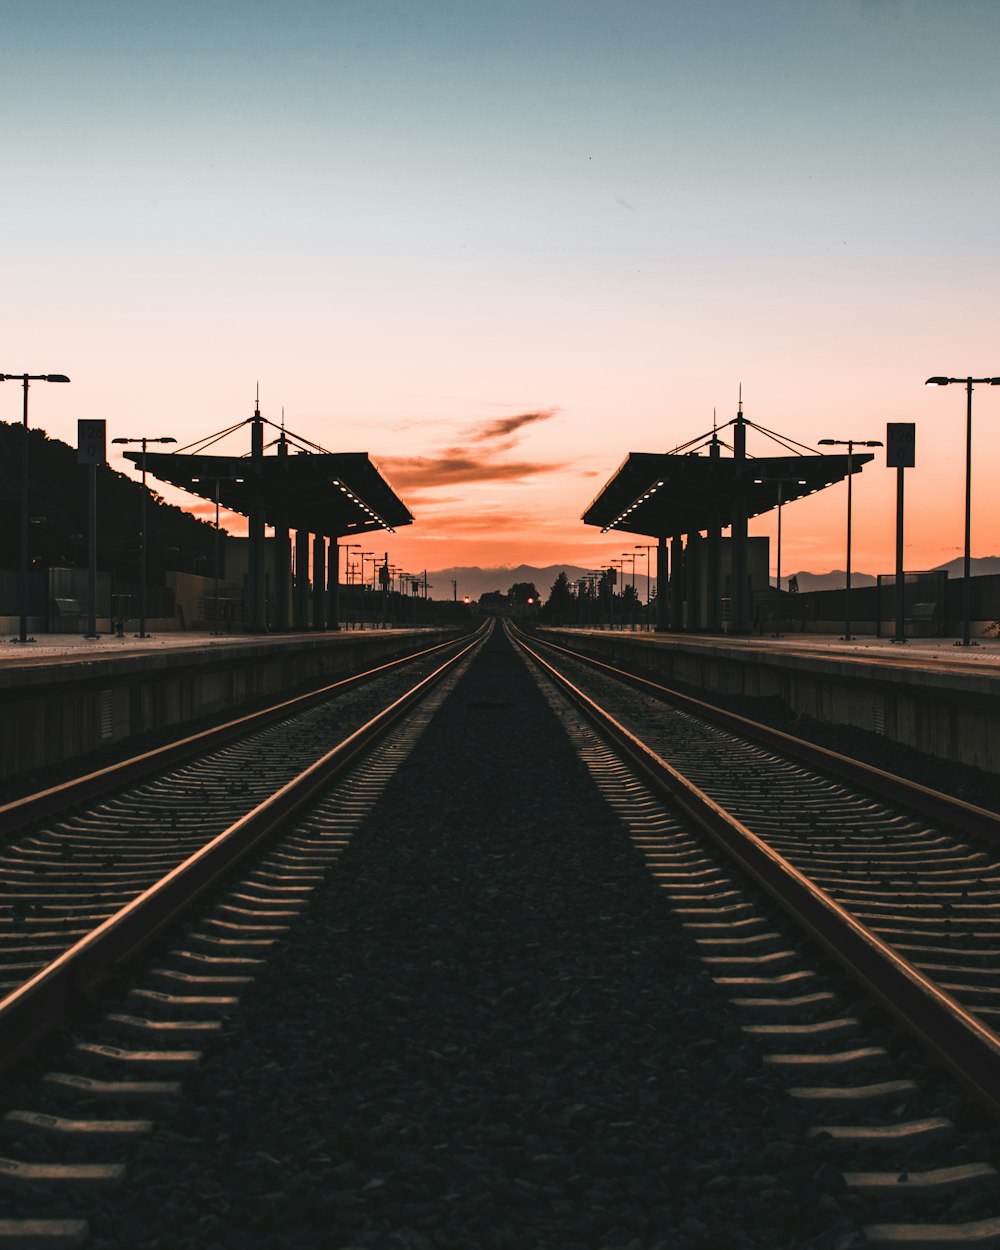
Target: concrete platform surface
point(53, 648)
point(924, 653)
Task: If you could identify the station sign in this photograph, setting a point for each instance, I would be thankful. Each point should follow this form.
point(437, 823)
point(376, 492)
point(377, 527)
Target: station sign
point(900, 445)
point(91, 439)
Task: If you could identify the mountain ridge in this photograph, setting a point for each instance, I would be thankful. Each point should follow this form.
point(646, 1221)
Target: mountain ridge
point(473, 581)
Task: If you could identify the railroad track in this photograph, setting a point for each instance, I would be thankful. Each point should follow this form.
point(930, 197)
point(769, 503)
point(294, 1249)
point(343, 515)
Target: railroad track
point(896, 1134)
point(94, 870)
point(899, 885)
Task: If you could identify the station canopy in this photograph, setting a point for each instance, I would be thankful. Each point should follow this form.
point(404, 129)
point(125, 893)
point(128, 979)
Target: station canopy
point(330, 493)
point(666, 494)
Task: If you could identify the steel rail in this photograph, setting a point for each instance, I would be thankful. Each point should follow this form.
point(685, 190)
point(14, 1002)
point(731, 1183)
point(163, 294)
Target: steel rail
point(88, 786)
point(49, 998)
point(966, 817)
point(962, 1042)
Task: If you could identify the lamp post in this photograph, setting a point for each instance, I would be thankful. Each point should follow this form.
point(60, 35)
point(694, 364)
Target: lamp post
point(619, 567)
point(968, 383)
point(142, 527)
point(647, 548)
point(630, 555)
point(850, 444)
point(24, 379)
point(781, 483)
point(365, 556)
point(348, 567)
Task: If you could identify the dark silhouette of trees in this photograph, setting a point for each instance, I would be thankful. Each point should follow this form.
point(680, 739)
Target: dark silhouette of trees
point(523, 593)
point(558, 608)
point(57, 506)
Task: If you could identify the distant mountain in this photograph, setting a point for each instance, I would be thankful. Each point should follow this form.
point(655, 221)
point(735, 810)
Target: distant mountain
point(981, 566)
point(474, 581)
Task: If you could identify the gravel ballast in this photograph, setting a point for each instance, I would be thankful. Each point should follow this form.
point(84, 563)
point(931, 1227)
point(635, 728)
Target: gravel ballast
point(488, 1030)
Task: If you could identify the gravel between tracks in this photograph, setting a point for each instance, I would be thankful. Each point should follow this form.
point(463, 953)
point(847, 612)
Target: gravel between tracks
point(487, 1031)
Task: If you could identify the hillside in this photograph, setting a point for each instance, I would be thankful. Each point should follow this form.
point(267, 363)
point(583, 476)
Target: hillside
point(57, 507)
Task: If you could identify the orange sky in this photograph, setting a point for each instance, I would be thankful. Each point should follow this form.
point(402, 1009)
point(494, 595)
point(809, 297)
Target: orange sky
point(498, 247)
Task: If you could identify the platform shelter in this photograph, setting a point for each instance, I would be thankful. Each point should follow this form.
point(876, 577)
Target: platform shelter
point(321, 497)
point(695, 490)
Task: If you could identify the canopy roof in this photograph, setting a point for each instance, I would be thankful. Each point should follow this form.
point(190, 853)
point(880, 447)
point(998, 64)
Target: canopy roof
point(666, 494)
point(330, 493)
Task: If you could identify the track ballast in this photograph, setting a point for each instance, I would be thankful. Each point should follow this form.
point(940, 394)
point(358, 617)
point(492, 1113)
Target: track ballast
point(502, 1022)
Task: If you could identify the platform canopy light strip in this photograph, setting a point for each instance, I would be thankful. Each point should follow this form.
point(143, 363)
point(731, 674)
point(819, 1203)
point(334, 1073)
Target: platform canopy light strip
point(333, 493)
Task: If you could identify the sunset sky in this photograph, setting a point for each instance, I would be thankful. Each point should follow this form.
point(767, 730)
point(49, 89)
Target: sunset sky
point(498, 246)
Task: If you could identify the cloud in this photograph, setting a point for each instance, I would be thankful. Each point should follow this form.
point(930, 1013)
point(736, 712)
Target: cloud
point(504, 427)
point(475, 459)
point(488, 524)
point(458, 465)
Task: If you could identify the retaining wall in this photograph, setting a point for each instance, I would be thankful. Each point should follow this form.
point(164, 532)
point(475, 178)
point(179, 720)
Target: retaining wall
point(944, 712)
point(61, 709)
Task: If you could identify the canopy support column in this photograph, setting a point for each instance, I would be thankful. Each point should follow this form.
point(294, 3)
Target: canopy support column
point(333, 598)
point(319, 582)
point(662, 583)
point(677, 582)
point(301, 606)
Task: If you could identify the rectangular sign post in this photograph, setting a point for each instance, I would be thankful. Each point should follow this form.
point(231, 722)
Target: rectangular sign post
point(91, 437)
point(900, 454)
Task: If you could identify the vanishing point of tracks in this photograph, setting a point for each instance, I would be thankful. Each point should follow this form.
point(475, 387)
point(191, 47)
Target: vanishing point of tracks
point(898, 885)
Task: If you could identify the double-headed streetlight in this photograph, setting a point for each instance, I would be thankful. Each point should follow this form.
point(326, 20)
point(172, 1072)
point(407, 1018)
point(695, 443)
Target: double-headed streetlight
point(24, 379)
point(142, 526)
point(850, 444)
point(968, 383)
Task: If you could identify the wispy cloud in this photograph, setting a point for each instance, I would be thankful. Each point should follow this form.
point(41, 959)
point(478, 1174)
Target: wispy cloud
point(504, 427)
point(489, 524)
point(475, 459)
point(456, 465)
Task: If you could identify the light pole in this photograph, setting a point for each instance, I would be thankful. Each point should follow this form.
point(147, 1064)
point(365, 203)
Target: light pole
point(142, 527)
point(619, 567)
point(850, 444)
point(781, 483)
point(647, 548)
point(366, 555)
point(24, 379)
point(968, 383)
point(347, 570)
point(630, 555)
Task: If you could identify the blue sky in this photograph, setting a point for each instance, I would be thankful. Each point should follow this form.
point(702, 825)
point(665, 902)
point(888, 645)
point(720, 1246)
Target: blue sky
point(409, 220)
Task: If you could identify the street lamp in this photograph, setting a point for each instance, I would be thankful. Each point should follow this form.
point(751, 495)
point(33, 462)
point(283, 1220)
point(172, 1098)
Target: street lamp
point(348, 569)
point(619, 567)
point(24, 379)
point(968, 383)
point(366, 556)
point(630, 555)
point(781, 482)
point(647, 548)
point(850, 444)
point(142, 527)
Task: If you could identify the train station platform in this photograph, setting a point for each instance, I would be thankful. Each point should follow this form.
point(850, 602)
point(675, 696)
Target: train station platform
point(66, 697)
point(927, 693)
point(50, 649)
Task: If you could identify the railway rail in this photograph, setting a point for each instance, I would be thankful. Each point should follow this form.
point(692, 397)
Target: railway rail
point(900, 884)
point(91, 869)
point(804, 873)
